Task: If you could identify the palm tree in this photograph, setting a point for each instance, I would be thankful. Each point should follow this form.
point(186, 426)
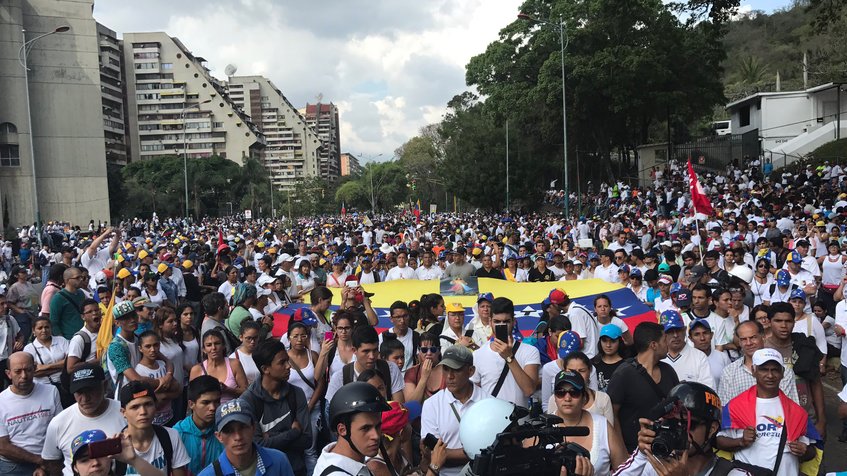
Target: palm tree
point(751, 70)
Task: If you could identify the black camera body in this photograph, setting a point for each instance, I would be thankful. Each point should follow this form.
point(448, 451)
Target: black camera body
point(547, 457)
point(671, 436)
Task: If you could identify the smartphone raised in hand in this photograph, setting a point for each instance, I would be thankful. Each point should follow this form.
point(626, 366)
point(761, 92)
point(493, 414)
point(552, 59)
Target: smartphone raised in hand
point(108, 447)
point(430, 441)
point(501, 332)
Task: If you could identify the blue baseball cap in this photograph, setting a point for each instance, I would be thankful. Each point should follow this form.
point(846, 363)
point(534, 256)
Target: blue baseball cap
point(485, 297)
point(624, 269)
point(635, 273)
point(233, 410)
point(670, 319)
point(699, 322)
point(675, 288)
point(797, 294)
point(783, 278)
point(795, 257)
point(569, 341)
point(611, 331)
point(82, 441)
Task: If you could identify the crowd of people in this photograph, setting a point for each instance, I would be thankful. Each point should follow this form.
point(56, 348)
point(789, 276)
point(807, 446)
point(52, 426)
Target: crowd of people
point(199, 375)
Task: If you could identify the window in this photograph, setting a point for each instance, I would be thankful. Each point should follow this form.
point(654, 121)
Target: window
point(744, 116)
point(10, 155)
point(167, 66)
point(146, 65)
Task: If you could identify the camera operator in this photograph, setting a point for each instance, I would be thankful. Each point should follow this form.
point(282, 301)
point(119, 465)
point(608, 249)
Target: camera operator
point(701, 414)
point(494, 435)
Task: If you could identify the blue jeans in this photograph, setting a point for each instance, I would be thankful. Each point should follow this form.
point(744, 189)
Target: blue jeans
point(10, 468)
point(313, 451)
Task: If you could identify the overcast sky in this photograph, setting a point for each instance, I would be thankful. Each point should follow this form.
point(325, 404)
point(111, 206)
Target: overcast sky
point(389, 65)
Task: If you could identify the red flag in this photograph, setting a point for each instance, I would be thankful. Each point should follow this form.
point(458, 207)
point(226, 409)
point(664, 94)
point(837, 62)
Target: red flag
point(220, 237)
point(343, 210)
point(701, 201)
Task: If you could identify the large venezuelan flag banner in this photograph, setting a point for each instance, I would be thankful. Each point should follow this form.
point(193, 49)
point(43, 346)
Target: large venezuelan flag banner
point(526, 296)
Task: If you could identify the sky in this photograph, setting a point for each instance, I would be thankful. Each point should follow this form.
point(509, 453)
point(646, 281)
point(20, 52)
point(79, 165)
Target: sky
point(390, 66)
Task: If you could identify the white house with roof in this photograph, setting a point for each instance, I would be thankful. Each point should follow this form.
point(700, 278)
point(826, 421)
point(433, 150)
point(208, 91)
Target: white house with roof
point(791, 124)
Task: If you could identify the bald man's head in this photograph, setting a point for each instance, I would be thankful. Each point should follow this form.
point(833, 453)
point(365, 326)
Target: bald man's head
point(21, 372)
point(21, 358)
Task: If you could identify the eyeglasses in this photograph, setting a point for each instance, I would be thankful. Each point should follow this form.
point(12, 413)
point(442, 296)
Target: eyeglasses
point(430, 350)
point(252, 338)
point(573, 392)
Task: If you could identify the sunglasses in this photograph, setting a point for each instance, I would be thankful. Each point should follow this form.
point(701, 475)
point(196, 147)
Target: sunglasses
point(430, 350)
point(573, 392)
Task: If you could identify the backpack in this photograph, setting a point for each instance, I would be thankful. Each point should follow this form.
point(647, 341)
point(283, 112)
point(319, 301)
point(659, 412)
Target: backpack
point(167, 448)
point(416, 340)
point(381, 367)
point(64, 376)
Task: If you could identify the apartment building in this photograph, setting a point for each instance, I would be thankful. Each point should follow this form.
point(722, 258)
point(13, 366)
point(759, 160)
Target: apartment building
point(175, 106)
point(350, 165)
point(112, 93)
point(323, 119)
point(292, 149)
point(54, 109)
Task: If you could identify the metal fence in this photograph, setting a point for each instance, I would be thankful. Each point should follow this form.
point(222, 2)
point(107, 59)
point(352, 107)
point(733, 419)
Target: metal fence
point(717, 152)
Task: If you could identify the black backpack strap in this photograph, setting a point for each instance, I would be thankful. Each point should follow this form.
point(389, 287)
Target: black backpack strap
point(167, 447)
point(216, 465)
point(327, 471)
point(347, 373)
point(505, 371)
point(86, 345)
point(448, 339)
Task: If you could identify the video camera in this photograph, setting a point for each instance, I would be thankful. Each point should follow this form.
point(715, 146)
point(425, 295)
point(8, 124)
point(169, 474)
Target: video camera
point(507, 456)
point(671, 428)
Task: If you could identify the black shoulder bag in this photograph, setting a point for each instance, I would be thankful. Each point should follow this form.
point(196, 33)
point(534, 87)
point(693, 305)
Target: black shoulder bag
point(505, 371)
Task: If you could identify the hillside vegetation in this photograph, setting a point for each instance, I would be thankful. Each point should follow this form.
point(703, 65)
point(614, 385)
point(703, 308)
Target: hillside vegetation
point(761, 45)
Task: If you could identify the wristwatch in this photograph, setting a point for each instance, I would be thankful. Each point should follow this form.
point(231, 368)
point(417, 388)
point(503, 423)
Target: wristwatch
point(434, 468)
point(509, 360)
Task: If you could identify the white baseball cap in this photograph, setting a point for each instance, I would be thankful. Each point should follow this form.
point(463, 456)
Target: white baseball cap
point(762, 356)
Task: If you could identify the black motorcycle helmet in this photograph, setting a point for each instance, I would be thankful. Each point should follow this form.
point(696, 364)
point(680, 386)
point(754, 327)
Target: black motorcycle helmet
point(355, 397)
point(701, 401)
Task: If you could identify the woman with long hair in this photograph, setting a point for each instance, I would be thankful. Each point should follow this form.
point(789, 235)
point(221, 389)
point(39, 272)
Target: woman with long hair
point(190, 335)
point(250, 333)
point(304, 363)
point(597, 403)
point(609, 355)
point(339, 349)
point(21, 297)
point(432, 308)
point(228, 371)
point(304, 279)
point(760, 313)
point(605, 314)
point(571, 398)
point(173, 348)
point(427, 377)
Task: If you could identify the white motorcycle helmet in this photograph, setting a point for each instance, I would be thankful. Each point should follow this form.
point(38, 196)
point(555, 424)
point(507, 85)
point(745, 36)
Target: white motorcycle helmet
point(482, 423)
point(742, 272)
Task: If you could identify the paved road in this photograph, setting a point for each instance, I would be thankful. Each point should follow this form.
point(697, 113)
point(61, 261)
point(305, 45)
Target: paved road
point(835, 452)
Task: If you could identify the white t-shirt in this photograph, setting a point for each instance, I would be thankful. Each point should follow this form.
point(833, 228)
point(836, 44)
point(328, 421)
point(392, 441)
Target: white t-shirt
point(400, 273)
point(337, 380)
point(155, 454)
point(76, 346)
point(24, 419)
point(818, 331)
point(762, 451)
point(489, 365)
point(174, 353)
point(692, 365)
point(70, 423)
point(57, 351)
point(164, 412)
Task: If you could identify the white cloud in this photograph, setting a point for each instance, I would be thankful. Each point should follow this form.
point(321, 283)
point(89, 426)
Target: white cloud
point(390, 66)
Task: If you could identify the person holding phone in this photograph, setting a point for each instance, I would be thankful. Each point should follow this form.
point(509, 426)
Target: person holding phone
point(94, 453)
point(517, 378)
point(452, 333)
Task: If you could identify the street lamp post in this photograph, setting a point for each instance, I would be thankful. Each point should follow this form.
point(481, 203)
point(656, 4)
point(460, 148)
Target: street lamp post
point(562, 41)
point(185, 148)
point(23, 53)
